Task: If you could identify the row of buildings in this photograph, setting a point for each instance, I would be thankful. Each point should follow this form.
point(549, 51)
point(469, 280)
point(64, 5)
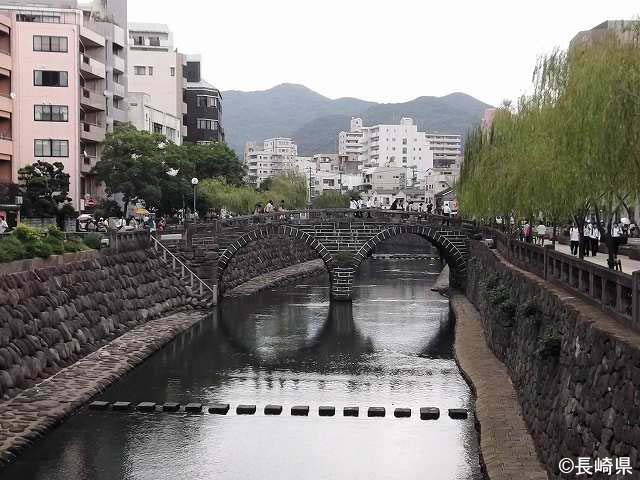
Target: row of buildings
point(71, 71)
point(382, 162)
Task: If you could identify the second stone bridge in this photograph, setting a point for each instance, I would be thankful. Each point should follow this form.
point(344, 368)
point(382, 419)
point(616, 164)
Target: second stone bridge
point(342, 238)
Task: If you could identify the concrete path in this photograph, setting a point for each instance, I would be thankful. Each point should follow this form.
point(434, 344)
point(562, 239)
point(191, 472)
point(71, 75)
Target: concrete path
point(628, 265)
point(507, 449)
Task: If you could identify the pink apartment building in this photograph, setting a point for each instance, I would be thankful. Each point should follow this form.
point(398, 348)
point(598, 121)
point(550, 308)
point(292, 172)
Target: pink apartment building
point(55, 90)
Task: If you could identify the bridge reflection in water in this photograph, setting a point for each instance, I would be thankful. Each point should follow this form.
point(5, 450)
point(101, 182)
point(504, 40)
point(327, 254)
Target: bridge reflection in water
point(391, 347)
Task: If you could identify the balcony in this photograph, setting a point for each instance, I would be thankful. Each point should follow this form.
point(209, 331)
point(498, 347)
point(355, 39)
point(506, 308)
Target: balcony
point(5, 63)
point(87, 163)
point(92, 132)
point(118, 115)
point(118, 90)
point(90, 38)
point(92, 100)
point(118, 64)
point(91, 68)
point(6, 106)
point(6, 146)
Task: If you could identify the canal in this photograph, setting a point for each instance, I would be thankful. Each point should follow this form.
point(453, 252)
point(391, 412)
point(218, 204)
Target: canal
point(392, 347)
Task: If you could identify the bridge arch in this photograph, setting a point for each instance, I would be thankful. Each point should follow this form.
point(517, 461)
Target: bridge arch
point(268, 231)
point(450, 243)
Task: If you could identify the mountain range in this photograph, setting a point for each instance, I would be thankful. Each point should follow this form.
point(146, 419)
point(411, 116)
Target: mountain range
point(314, 121)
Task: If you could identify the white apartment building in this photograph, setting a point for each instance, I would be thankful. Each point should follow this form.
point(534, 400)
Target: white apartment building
point(446, 148)
point(399, 145)
point(440, 179)
point(274, 157)
point(144, 116)
point(157, 69)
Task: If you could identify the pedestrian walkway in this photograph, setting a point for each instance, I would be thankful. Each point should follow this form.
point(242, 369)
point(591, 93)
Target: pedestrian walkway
point(507, 448)
point(628, 265)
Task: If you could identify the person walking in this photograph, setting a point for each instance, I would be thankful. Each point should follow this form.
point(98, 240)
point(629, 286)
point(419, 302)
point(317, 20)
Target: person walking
point(541, 231)
point(429, 208)
point(257, 209)
point(4, 226)
point(268, 208)
point(594, 239)
point(616, 235)
point(527, 232)
point(574, 240)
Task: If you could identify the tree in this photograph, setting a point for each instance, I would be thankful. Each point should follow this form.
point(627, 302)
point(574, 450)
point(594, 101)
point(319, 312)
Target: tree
point(331, 199)
point(44, 187)
point(132, 165)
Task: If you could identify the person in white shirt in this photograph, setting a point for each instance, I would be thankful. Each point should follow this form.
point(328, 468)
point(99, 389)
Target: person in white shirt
point(574, 239)
point(4, 226)
point(594, 239)
point(541, 231)
point(616, 234)
point(268, 208)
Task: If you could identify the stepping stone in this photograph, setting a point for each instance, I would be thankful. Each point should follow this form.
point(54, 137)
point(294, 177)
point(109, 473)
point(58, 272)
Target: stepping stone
point(146, 407)
point(300, 410)
point(402, 412)
point(429, 413)
point(120, 406)
point(376, 412)
point(99, 405)
point(326, 411)
point(193, 408)
point(219, 408)
point(171, 407)
point(458, 413)
point(273, 410)
point(246, 409)
point(351, 411)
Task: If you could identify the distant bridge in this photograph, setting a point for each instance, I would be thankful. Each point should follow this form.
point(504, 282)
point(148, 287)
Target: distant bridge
point(342, 238)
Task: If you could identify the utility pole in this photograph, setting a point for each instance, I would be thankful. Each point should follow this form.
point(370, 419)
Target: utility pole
point(309, 201)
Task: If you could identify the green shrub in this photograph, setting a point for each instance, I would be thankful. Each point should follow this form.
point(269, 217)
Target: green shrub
point(11, 249)
point(56, 245)
point(26, 234)
point(93, 240)
point(37, 248)
point(55, 232)
point(74, 245)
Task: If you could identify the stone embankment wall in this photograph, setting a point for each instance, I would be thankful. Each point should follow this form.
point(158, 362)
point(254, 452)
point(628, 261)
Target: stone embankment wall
point(264, 256)
point(576, 371)
point(50, 317)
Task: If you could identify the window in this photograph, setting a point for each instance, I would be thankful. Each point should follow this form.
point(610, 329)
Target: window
point(171, 133)
point(138, 70)
point(207, 101)
point(42, 43)
point(206, 124)
point(138, 40)
point(51, 113)
point(50, 78)
point(154, 41)
point(51, 148)
point(157, 127)
point(404, 141)
point(150, 71)
point(172, 71)
point(28, 17)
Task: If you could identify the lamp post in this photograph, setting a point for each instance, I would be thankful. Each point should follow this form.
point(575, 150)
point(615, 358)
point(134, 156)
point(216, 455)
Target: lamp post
point(194, 182)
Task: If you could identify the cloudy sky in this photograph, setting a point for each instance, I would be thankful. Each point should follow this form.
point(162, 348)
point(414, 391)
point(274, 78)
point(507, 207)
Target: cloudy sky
point(389, 51)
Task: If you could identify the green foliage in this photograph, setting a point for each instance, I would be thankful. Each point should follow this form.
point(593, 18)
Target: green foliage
point(135, 163)
point(11, 249)
point(331, 199)
point(571, 147)
point(292, 188)
point(44, 187)
point(93, 240)
point(107, 208)
point(26, 242)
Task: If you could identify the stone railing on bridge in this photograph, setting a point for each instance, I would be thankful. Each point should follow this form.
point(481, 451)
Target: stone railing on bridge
point(615, 292)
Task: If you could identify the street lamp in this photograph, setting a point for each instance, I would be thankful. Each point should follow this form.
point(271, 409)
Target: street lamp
point(194, 182)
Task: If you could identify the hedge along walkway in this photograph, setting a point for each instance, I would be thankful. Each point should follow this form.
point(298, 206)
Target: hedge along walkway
point(507, 449)
point(29, 415)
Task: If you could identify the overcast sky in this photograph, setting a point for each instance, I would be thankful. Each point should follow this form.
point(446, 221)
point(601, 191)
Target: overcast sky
point(389, 51)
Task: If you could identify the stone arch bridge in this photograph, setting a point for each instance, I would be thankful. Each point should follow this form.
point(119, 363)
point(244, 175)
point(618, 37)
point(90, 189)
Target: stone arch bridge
point(342, 238)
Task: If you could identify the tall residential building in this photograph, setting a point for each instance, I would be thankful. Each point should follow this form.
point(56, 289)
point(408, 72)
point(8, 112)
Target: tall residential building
point(274, 157)
point(62, 81)
point(204, 106)
point(399, 145)
point(156, 68)
point(446, 148)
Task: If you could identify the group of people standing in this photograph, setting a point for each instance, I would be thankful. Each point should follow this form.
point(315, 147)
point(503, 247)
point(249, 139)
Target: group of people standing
point(591, 238)
point(269, 208)
point(530, 235)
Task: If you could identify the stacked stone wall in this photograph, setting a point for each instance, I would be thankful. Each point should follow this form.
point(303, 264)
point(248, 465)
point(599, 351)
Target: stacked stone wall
point(576, 371)
point(263, 256)
point(50, 317)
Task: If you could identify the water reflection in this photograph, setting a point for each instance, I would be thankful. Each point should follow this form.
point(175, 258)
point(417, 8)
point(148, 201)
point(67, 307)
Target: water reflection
point(391, 347)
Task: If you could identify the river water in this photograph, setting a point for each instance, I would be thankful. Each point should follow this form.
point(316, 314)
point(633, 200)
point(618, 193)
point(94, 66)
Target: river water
point(392, 347)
